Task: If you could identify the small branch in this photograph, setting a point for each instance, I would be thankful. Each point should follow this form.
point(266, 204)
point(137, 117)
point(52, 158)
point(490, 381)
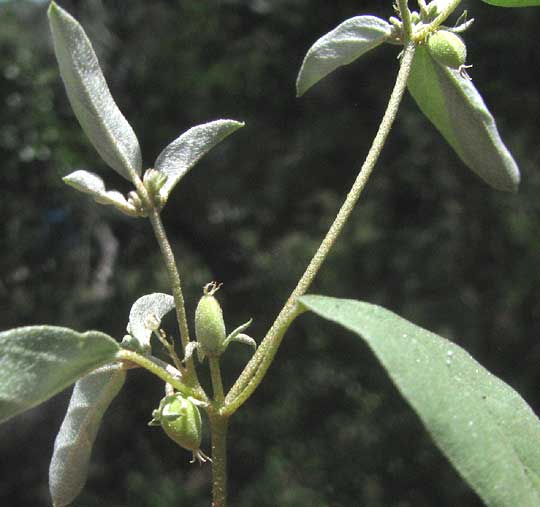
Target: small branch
point(405, 15)
point(163, 370)
point(420, 35)
point(217, 382)
point(176, 286)
point(257, 367)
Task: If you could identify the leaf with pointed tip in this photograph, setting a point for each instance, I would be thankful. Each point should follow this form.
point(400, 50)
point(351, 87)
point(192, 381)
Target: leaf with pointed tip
point(350, 40)
point(185, 151)
point(145, 316)
point(483, 426)
point(452, 103)
point(90, 97)
point(92, 184)
point(36, 362)
point(91, 397)
point(513, 3)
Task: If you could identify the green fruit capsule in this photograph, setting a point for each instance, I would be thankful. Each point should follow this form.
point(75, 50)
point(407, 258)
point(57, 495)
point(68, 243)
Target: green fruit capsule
point(181, 421)
point(447, 49)
point(209, 323)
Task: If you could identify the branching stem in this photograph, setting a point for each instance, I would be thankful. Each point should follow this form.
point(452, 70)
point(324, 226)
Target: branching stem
point(257, 367)
point(163, 370)
point(421, 34)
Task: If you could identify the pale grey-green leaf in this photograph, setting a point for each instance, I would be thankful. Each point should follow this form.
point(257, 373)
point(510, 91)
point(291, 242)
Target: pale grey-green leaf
point(90, 97)
point(36, 362)
point(484, 427)
point(350, 40)
point(92, 184)
point(91, 397)
point(146, 314)
point(185, 151)
point(452, 103)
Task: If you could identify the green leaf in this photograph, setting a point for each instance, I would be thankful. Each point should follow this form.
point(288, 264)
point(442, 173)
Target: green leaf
point(36, 362)
point(185, 151)
point(90, 98)
point(485, 428)
point(92, 184)
point(513, 3)
point(90, 399)
point(145, 317)
point(350, 40)
point(454, 106)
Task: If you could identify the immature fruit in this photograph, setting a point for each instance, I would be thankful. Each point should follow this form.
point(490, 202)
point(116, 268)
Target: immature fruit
point(181, 420)
point(209, 323)
point(448, 49)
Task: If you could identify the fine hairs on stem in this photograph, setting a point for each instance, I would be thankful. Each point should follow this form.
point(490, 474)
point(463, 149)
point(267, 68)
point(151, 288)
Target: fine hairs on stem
point(258, 365)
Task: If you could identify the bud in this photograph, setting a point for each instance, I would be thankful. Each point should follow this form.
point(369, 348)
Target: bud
point(209, 323)
point(153, 181)
point(135, 201)
point(447, 49)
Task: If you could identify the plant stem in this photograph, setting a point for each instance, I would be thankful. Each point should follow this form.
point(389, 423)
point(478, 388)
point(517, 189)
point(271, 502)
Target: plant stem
point(217, 383)
point(420, 35)
point(256, 368)
point(405, 14)
point(176, 286)
point(218, 426)
point(161, 369)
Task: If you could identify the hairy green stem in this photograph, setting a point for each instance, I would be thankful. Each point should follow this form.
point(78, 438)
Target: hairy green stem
point(421, 34)
point(219, 426)
point(161, 369)
point(217, 382)
point(257, 367)
point(176, 286)
point(405, 14)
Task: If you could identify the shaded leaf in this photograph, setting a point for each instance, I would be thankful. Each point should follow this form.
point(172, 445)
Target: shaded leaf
point(145, 316)
point(513, 3)
point(36, 362)
point(92, 184)
point(454, 106)
point(91, 397)
point(90, 98)
point(487, 431)
point(350, 40)
point(185, 151)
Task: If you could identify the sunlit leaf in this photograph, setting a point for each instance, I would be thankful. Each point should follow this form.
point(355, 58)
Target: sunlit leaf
point(92, 184)
point(487, 431)
point(513, 3)
point(145, 316)
point(90, 98)
point(185, 151)
point(91, 397)
point(452, 103)
point(36, 362)
point(350, 40)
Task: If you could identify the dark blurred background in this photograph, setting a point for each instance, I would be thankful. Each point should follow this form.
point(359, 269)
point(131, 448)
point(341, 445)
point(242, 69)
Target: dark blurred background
point(429, 240)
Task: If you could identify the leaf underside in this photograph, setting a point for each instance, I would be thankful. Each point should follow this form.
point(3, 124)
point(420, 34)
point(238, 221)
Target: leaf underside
point(91, 397)
point(145, 312)
point(92, 184)
point(90, 97)
point(487, 431)
point(454, 106)
point(36, 362)
point(341, 46)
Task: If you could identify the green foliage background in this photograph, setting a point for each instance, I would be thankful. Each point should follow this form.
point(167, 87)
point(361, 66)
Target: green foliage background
point(429, 241)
